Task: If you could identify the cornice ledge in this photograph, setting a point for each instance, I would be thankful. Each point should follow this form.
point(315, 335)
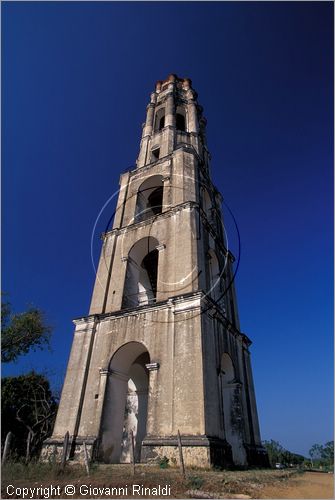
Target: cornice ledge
point(163, 215)
point(246, 339)
point(142, 169)
point(89, 319)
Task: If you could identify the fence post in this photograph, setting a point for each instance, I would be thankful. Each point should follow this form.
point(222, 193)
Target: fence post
point(132, 450)
point(54, 454)
point(65, 448)
point(182, 467)
point(6, 449)
point(28, 446)
point(86, 459)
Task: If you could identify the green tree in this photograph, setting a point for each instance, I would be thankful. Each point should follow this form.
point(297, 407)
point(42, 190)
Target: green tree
point(315, 453)
point(297, 459)
point(22, 332)
point(28, 410)
point(327, 453)
point(278, 454)
point(275, 451)
point(291, 459)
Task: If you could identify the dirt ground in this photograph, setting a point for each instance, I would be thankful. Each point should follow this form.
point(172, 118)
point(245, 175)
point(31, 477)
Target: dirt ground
point(308, 485)
point(210, 484)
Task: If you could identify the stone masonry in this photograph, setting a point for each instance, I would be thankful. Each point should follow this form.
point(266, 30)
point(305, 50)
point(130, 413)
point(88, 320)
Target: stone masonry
point(161, 349)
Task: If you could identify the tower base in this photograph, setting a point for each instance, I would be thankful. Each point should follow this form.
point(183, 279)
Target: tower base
point(53, 449)
point(198, 451)
point(257, 456)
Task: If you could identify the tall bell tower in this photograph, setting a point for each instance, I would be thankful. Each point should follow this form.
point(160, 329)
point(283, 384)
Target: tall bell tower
point(161, 349)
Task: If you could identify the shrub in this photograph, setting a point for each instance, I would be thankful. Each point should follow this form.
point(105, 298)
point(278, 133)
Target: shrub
point(164, 463)
point(195, 482)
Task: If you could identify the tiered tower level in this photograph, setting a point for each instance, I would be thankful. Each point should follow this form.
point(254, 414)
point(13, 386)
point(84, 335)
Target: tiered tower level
point(161, 350)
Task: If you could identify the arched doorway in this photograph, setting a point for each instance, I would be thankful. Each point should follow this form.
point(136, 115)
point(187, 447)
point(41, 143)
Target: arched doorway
point(231, 395)
point(125, 404)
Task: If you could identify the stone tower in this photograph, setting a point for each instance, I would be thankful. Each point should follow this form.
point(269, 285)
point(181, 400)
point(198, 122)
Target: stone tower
point(161, 349)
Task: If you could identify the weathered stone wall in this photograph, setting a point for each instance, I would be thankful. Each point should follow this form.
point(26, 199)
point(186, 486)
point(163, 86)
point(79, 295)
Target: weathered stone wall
point(172, 336)
point(199, 374)
point(193, 456)
point(174, 229)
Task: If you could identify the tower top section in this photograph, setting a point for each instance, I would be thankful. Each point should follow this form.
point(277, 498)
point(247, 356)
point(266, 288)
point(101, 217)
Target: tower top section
point(179, 83)
point(174, 119)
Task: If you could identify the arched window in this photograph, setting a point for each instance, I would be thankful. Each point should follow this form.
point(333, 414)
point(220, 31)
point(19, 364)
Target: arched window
point(149, 198)
point(159, 119)
point(161, 123)
point(180, 119)
point(207, 204)
point(214, 275)
point(140, 286)
point(155, 199)
point(180, 122)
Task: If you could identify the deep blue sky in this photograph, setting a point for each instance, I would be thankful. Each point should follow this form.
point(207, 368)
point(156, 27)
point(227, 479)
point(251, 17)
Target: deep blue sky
point(76, 78)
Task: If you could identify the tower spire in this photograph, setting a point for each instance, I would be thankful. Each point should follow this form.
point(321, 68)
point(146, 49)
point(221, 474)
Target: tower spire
point(173, 118)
